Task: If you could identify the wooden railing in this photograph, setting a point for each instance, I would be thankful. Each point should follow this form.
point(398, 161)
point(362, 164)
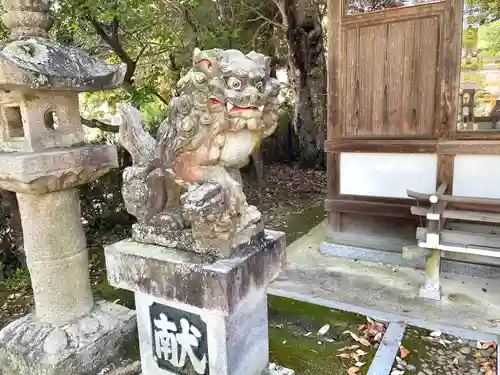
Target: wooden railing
point(435, 238)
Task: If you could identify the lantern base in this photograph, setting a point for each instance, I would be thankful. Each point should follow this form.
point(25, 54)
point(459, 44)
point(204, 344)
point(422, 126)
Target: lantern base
point(29, 346)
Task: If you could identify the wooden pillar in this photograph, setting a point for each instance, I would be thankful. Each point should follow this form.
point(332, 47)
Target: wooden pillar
point(335, 11)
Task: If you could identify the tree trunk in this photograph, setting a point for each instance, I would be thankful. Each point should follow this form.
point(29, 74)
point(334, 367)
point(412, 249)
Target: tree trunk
point(308, 76)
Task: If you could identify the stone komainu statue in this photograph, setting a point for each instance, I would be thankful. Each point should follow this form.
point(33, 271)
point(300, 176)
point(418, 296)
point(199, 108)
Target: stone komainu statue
point(185, 187)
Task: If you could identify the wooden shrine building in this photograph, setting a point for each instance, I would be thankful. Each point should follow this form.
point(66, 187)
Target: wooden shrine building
point(393, 130)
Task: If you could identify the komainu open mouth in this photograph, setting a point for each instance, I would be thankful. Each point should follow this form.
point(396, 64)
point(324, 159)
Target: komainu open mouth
point(234, 108)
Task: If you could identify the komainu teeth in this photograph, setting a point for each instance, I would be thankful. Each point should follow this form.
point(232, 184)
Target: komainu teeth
point(229, 106)
point(261, 108)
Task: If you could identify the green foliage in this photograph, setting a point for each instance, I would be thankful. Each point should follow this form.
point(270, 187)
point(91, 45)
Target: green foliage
point(158, 38)
point(18, 279)
point(101, 200)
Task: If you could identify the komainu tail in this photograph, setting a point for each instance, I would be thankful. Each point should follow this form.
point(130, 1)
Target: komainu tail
point(136, 140)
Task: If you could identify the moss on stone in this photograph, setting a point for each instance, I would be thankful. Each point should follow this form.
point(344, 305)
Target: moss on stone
point(290, 347)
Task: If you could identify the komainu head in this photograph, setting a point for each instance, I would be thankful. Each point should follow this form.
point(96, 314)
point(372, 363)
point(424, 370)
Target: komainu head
point(236, 84)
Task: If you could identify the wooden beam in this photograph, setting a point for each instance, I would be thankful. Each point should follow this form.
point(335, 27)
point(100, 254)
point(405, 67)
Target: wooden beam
point(472, 147)
point(450, 64)
point(455, 199)
point(472, 216)
point(470, 249)
point(463, 238)
point(418, 146)
point(335, 73)
point(369, 208)
point(393, 15)
point(382, 145)
point(414, 252)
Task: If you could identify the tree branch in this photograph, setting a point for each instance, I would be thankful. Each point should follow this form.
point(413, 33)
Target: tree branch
point(162, 99)
point(114, 43)
point(96, 124)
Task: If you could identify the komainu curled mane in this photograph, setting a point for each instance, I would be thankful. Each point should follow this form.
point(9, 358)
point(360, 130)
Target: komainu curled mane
point(185, 187)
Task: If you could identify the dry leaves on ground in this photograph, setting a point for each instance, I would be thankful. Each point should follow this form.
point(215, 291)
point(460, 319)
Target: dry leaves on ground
point(403, 352)
point(488, 363)
point(370, 334)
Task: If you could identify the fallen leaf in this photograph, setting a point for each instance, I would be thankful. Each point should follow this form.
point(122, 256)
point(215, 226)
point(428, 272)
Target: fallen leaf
point(491, 372)
point(369, 319)
point(420, 268)
point(352, 347)
point(435, 334)
point(494, 321)
point(355, 357)
point(343, 349)
point(490, 344)
point(364, 342)
point(452, 297)
point(397, 372)
point(361, 352)
point(353, 370)
point(404, 352)
point(323, 329)
point(378, 336)
point(344, 355)
point(354, 336)
point(359, 364)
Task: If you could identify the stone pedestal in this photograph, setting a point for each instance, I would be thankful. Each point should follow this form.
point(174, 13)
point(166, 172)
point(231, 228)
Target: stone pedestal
point(28, 346)
point(197, 317)
point(68, 333)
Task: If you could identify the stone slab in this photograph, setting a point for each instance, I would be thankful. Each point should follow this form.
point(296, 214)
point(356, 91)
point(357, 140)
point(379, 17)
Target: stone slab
point(28, 346)
point(274, 369)
point(236, 344)
point(388, 349)
point(55, 169)
point(190, 278)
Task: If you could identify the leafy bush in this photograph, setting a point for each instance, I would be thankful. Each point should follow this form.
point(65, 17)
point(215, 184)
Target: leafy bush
point(101, 200)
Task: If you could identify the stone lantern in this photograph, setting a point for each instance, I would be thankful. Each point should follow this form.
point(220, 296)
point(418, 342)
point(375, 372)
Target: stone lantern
point(42, 160)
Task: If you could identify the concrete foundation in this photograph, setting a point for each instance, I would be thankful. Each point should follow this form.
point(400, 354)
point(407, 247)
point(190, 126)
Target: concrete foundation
point(28, 346)
point(469, 305)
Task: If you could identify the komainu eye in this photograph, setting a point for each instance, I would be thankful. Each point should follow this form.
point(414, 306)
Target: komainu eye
point(234, 83)
point(259, 86)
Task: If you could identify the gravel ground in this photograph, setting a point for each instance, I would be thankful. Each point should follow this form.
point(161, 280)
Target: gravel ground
point(433, 353)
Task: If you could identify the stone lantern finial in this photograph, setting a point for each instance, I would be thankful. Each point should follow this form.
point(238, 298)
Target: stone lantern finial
point(27, 18)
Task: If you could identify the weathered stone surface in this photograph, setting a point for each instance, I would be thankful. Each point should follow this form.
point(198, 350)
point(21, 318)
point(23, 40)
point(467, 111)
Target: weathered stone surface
point(27, 17)
point(54, 169)
point(192, 279)
point(272, 369)
point(237, 343)
point(189, 178)
point(126, 368)
point(57, 256)
point(39, 120)
point(275, 369)
point(39, 64)
point(28, 346)
point(185, 239)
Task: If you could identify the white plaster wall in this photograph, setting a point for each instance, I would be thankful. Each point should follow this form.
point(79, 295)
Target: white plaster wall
point(387, 175)
point(477, 176)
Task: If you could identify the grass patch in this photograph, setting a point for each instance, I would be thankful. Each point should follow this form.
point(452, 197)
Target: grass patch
point(294, 342)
